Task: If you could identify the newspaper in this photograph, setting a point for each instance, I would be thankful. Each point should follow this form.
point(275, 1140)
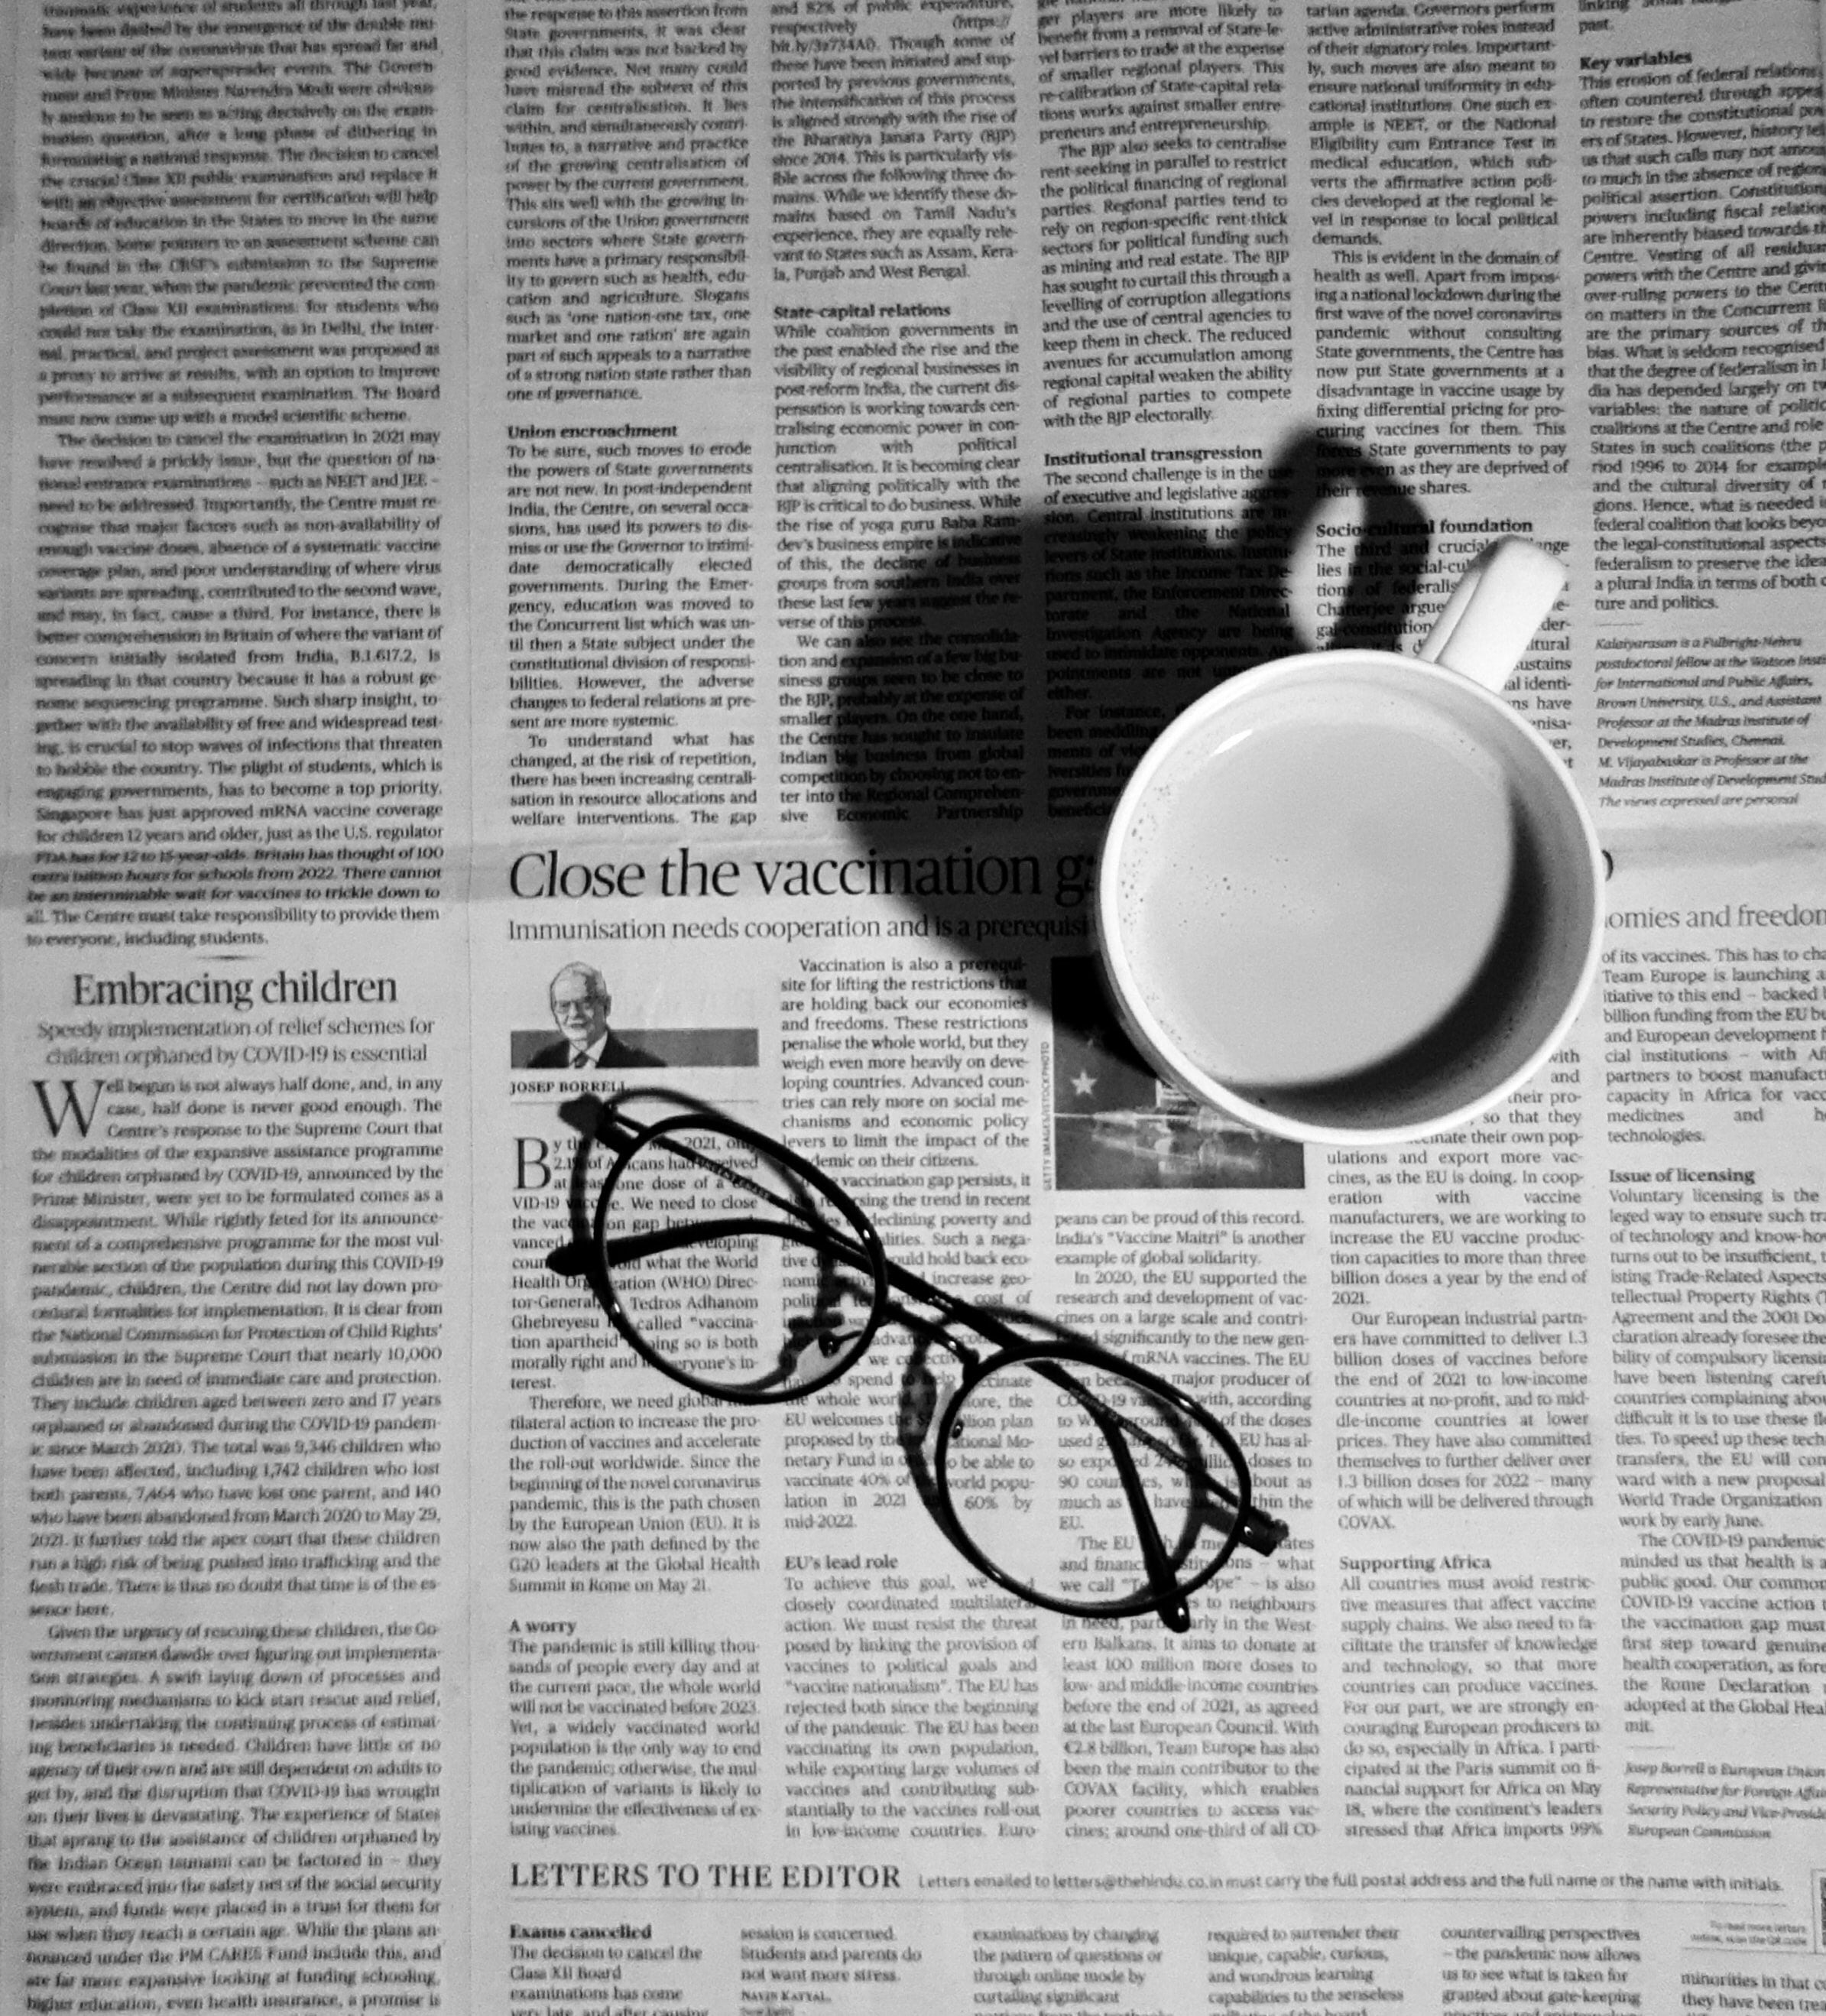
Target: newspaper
point(581, 563)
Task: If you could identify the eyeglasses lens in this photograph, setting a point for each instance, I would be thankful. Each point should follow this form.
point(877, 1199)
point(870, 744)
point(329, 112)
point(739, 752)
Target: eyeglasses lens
point(1033, 1484)
point(763, 1294)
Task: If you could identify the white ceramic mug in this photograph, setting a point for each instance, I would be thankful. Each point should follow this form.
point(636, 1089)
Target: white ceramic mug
point(1351, 896)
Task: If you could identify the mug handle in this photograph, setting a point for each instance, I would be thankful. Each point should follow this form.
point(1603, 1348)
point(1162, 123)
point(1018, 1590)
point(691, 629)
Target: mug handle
point(1490, 617)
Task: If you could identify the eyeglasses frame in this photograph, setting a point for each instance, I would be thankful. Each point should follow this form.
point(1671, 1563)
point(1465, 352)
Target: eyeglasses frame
point(592, 1254)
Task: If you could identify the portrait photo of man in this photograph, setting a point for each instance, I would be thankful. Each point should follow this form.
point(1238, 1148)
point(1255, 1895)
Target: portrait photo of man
point(581, 1003)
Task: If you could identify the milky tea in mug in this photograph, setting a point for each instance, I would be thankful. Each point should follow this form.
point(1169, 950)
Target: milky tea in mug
point(1349, 896)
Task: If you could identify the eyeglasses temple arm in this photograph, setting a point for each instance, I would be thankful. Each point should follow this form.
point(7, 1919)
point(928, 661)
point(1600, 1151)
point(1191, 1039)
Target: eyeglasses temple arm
point(1173, 1611)
point(576, 1258)
point(581, 1255)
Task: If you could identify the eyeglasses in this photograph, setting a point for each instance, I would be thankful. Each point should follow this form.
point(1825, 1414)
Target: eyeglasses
point(1075, 1480)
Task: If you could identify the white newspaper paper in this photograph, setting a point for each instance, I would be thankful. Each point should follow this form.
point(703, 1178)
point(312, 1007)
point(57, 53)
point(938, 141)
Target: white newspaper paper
point(591, 558)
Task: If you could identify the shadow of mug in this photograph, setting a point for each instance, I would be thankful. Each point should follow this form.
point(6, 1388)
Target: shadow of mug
point(1022, 666)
